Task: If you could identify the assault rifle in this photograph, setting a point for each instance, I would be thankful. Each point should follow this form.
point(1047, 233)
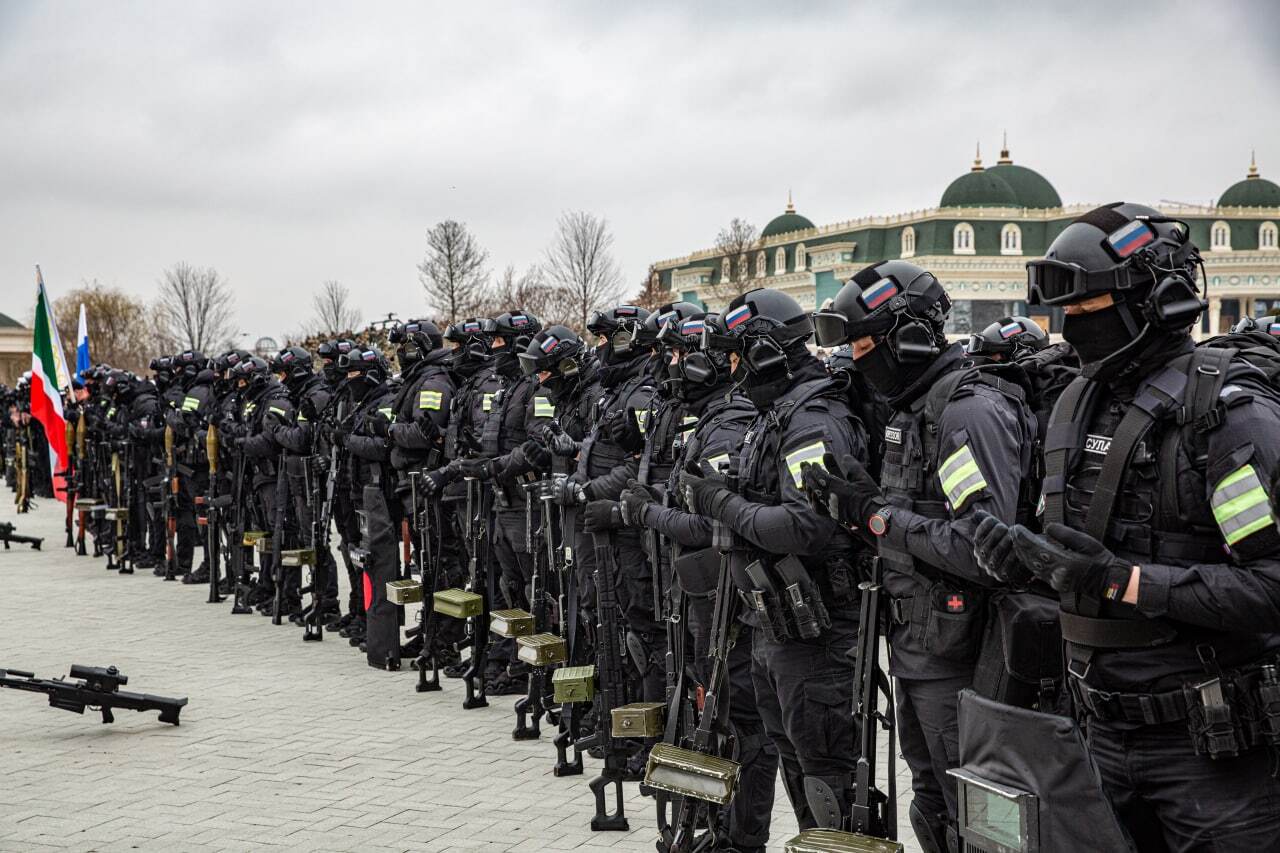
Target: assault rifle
point(481, 584)
point(169, 499)
point(428, 519)
point(213, 504)
point(613, 689)
point(239, 571)
point(69, 476)
point(98, 688)
point(567, 605)
point(8, 535)
point(540, 543)
point(313, 615)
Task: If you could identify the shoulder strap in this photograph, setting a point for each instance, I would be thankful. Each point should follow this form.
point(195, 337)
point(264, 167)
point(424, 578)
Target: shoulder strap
point(1205, 378)
point(1067, 425)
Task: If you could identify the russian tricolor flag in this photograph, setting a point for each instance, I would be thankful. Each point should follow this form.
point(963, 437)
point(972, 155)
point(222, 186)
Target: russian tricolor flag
point(879, 293)
point(82, 345)
point(549, 344)
point(1008, 330)
point(737, 316)
point(1275, 329)
point(1132, 237)
point(692, 327)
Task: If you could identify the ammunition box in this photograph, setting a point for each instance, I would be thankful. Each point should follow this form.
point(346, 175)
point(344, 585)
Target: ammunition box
point(574, 684)
point(404, 592)
point(263, 545)
point(639, 719)
point(116, 513)
point(252, 536)
point(298, 557)
point(688, 773)
point(457, 603)
point(511, 623)
point(542, 649)
point(835, 841)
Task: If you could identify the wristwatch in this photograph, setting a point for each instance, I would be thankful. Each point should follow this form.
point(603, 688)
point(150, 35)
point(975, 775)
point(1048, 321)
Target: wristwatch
point(878, 523)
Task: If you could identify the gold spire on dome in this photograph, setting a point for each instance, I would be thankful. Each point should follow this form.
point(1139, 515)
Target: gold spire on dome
point(977, 158)
point(791, 208)
point(1004, 152)
point(1253, 166)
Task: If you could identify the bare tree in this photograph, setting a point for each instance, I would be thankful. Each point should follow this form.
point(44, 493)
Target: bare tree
point(580, 264)
point(528, 291)
point(653, 294)
point(452, 273)
point(737, 242)
point(194, 308)
point(334, 311)
point(119, 333)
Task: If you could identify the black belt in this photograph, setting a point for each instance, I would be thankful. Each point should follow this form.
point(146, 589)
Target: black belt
point(1115, 633)
point(1146, 708)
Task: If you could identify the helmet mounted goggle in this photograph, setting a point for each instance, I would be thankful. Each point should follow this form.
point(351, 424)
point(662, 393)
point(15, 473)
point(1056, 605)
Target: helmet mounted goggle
point(877, 308)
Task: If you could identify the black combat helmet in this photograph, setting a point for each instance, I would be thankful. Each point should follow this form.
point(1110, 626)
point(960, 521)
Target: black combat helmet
point(1008, 337)
point(415, 340)
point(295, 364)
point(369, 365)
point(252, 372)
point(653, 324)
point(188, 364)
point(622, 327)
point(696, 371)
point(469, 338)
point(330, 352)
point(1145, 262)
point(902, 308)
point(559, 351)
point(768, 330)
point(517, 328)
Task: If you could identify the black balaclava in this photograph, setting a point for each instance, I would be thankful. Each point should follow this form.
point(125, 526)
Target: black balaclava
point(763, 388)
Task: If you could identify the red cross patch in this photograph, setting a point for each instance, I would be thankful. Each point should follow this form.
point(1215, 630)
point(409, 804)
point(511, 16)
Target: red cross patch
point(955, 603)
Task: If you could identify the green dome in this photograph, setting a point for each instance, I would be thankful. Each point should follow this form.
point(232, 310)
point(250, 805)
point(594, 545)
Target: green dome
point(1029, 187)
point(1253, 191)
point(786, 223)
point(979, 188)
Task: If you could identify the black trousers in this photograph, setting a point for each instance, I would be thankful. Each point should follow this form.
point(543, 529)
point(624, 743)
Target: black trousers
point(805, 696)
point(1170, 799)
point(929, 736)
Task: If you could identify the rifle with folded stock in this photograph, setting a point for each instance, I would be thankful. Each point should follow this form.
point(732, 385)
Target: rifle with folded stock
point(540, 543)
point(239, 570)
point(567, 606)
point(214, 504)
point(429, 522)
point(98, 688)
point(481, 584)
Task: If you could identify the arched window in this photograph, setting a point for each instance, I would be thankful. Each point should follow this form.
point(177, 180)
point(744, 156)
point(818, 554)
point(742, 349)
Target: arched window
point(742, 267)
point(780, 261)
point(1268, 236)
point(725, 272)
point(802, 258)
point(1011, 240)
point(1220, 237)
point(908, 242)
point(760, 265)
point(962, 243)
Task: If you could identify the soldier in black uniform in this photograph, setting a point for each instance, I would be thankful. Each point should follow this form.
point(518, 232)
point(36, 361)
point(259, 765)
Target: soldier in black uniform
point(188, 419)
point(302, 441)
point(960, 440)
point(372, 487)
point(344, 517)
point(713, 421)
point(265, 413)
point(1160, 540)
point(803, 677)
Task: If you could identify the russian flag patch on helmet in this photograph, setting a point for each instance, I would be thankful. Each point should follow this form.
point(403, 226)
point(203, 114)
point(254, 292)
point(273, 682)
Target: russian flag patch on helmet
point(879, 293)
point(1274, 329)
point(549, 344)
point(1130, 238)
point(625, 311)
point(695, 327)
point(1008, 330)
point(471, 327)
point(737, 316)
point(519, 320)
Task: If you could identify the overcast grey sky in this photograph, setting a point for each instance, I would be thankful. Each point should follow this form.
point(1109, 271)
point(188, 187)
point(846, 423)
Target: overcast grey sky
point(288, 143)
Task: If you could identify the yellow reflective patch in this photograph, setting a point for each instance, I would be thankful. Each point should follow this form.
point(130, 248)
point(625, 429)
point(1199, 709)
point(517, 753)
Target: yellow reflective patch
point(190, 404)
point(428, 399)
point(1240, 505)
point(718, 462)
point(486, 403)
point(276, 410)
point(811, 453)
point(642, 419)
point(960, 477)
point(542, 408)
point(688, 423)
point(387, 413)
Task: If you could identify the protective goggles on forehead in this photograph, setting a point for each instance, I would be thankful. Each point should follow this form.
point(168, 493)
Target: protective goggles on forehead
point(681, 334)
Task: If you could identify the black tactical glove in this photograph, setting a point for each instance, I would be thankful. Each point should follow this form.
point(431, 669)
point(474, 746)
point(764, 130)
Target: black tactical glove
point(623, 429)
point(378, 427)
point(558, 441)
point(994, 550)
point(307, 408)
point(535, 454)
point(634, 499)
point(849, 492)
point(338, 435)
point(433, 482)
point(704, 491)
point(399, 433)
point(601, 516)
point(1072, 562)
point(567, 491)
point(476, 469)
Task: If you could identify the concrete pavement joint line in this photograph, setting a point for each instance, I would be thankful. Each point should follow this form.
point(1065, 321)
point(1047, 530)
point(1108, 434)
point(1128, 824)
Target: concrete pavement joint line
point(288, 745)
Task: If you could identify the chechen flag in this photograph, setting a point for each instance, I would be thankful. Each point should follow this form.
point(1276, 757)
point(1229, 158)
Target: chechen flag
point(46, 398)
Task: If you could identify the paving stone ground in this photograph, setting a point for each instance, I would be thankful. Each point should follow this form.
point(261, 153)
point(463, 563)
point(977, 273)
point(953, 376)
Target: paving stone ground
point(285, 745)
